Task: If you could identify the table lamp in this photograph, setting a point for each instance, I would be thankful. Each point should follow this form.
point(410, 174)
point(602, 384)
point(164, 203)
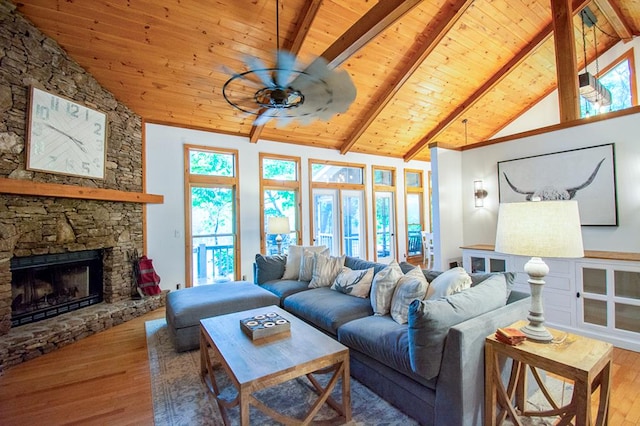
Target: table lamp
point(278, 226)
point(539, 229)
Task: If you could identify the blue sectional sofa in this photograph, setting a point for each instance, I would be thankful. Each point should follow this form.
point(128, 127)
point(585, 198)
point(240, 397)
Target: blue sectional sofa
point(431, 368)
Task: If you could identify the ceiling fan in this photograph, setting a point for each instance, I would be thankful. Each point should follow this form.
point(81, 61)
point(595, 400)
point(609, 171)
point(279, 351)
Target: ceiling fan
point(286, 91)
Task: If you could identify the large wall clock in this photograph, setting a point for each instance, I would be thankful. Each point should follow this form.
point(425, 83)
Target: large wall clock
point(65, 137)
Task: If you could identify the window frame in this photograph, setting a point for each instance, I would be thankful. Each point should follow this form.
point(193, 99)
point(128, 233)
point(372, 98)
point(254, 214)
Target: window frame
point(277, 184)
point(191, 180)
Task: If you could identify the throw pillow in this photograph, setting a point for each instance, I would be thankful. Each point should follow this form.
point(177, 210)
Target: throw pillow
point(382, 287)
point(356, 283)
point(269, 268)
point(413, 285)
point(325, 270)
point(292, 267)
point(307, 261)
point(449, 282)
point(431, 320)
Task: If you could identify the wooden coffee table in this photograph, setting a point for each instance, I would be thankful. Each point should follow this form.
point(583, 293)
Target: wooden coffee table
point(257, 364)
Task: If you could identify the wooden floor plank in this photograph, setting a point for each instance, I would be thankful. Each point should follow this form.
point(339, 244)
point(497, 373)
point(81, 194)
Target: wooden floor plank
point(104, 379)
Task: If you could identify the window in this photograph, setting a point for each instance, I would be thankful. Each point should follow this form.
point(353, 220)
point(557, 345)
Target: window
point(414, 208)
point(619, 78)
point(212, 228)
point(338, 207)
point(384, 213)
point(280, 189)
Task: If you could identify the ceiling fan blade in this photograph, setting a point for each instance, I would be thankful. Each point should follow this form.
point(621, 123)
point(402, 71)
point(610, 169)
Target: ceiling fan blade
point(266, 115)
point(286, 63)
point(260, 69)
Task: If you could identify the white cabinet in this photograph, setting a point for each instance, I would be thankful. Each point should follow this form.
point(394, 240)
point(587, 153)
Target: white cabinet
point(609, 300)
point(478, 261)
point(597, 296)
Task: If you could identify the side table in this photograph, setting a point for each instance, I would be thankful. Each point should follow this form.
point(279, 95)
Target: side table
point(586, 362)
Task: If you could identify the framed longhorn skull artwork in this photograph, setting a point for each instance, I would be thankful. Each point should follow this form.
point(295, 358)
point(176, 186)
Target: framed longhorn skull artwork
point(587, 175)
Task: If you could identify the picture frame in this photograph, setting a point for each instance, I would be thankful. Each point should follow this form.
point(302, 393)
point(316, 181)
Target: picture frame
point(587, 175)
point(65, 137)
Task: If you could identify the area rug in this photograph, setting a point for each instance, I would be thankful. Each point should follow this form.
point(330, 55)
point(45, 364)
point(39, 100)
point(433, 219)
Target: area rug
point(180, 397)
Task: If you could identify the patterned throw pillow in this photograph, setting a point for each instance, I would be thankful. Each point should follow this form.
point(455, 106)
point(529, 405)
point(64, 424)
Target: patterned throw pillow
point(355, 283)
point(307, 261)
point(449, 282)
point(292, 267)
point(413, 285)
point(325, 270)
point(382, 287)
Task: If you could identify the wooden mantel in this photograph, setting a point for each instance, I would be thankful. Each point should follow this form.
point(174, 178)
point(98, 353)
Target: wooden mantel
point(41, 189)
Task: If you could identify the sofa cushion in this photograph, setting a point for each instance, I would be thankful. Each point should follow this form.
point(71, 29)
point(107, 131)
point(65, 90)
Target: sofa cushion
point(449, 282)
point(325, 270)
point(381, 338)
point(355, 263)
point(292, 267)
point(269, 268)
point(429, 274)
point(327, 309)
point(413, 285)
point(354, 283)
point(285, 288)
point(430, 321)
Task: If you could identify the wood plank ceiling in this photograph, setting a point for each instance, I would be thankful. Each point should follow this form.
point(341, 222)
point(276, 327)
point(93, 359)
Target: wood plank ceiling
point(420, 67)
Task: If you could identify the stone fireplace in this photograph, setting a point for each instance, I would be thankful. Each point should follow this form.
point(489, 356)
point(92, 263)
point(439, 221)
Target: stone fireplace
point(48, 216)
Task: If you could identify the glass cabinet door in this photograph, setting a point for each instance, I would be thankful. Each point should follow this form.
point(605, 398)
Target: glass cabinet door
point(610, 297)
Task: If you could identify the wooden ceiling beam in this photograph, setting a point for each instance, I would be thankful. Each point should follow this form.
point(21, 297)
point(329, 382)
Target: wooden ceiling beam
point(376, 20)
point(615, 17)
point(566, 66)
point(520, 57)
point(299, 34)
point(426, 42)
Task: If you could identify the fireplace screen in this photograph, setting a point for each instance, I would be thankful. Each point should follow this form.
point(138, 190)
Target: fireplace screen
point(49, 285)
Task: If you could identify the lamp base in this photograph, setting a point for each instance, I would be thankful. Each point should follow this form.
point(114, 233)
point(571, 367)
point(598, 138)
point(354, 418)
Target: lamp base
point(535, 330)
point(537, 333)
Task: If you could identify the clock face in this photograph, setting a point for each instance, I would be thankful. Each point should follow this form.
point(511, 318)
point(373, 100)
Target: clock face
point(65, 137)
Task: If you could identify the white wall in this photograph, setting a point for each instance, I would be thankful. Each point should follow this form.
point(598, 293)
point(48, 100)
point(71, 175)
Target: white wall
point(480, 223)
point(447, 200)
point(165, 176)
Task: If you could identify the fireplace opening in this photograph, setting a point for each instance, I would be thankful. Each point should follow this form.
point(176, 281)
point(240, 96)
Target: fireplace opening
point(45, 286)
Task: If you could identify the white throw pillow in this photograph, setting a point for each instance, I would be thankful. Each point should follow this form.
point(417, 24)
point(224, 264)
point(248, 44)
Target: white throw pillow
point(413, 285)
point(292, 267)
point(307, 261)
point(325, 270)
point(353, 282)
point(448, 282)
point(382, 287)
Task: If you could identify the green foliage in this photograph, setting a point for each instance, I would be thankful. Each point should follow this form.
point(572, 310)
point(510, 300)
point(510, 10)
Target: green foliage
point(211, 163)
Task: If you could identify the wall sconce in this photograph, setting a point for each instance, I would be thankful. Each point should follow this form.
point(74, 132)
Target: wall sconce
point(479, 193)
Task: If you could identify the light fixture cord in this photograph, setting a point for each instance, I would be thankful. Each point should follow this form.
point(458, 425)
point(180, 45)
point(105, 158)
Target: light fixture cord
point(584, 46)
point(465, 130)
point(278, 25)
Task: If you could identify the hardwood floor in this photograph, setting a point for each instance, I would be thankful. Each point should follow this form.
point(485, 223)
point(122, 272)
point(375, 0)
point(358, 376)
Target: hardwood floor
point(104, 380)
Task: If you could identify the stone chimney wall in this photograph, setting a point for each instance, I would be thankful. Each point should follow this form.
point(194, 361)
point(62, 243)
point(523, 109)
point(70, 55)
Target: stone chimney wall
point(32, 225)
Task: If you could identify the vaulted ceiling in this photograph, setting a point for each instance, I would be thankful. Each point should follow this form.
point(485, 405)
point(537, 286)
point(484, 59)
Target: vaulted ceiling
point(420, 67)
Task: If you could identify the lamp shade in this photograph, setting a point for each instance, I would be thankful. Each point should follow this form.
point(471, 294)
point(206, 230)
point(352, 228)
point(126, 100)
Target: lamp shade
point(540, 229)
point(278, 225)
